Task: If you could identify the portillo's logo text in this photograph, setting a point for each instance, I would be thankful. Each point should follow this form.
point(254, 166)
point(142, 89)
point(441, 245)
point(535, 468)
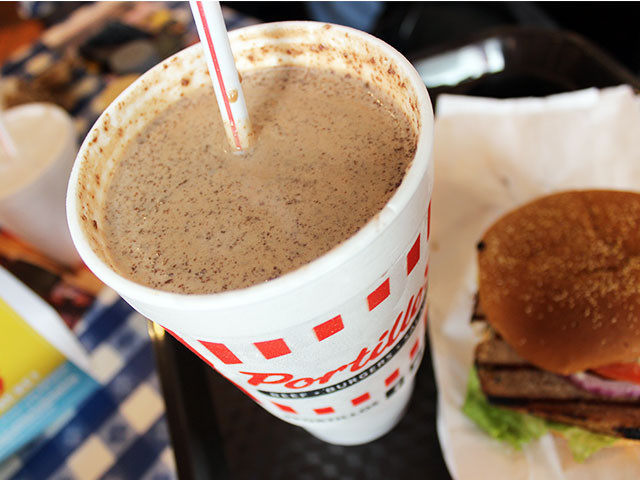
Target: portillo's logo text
point(366, 363)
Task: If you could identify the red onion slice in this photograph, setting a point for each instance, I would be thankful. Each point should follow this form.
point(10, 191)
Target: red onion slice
point(604, 387)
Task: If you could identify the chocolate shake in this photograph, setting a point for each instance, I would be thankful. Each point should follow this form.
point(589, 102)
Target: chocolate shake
point(184, 213)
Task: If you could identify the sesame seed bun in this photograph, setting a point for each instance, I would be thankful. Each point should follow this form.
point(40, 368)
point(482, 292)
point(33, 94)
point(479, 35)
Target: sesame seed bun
point(559, 279)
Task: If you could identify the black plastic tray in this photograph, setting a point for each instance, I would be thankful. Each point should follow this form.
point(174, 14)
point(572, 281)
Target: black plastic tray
point(217, 432)
point(519, 62)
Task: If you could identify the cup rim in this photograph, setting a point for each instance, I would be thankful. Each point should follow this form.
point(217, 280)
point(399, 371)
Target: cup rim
point(302, 276)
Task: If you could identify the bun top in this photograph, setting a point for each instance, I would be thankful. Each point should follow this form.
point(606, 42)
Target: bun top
point(560, 279)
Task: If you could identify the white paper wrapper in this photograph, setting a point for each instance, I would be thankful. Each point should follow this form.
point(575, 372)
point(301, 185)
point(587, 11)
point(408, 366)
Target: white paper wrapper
point(491, 156)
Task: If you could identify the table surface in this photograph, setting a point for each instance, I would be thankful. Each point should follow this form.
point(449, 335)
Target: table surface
point(148, 412)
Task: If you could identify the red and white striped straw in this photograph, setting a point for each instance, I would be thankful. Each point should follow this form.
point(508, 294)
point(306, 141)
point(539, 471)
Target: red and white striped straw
point(6, 142)
point(224, 75)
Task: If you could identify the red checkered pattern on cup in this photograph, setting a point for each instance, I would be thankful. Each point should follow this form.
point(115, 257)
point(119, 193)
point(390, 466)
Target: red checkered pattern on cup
point(379, 295)
point(413, 256)
point(384, 302)
point(284, 408)
point(324, 410)
point(225, 355)
point(391, 378)
point(414, 349)
point(361, 399)
point(328, 328)
point(273, 348)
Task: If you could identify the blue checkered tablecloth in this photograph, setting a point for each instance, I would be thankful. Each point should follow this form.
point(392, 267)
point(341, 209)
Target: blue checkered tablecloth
point(120, 431)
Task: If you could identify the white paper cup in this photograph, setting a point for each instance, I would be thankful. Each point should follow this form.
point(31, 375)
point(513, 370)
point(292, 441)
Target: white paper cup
point(333, 346)
point(33, 185)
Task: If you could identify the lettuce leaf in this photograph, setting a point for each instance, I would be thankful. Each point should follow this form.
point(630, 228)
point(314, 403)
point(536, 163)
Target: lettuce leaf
point(517, 428)
point(508, 426)
point(582, 443)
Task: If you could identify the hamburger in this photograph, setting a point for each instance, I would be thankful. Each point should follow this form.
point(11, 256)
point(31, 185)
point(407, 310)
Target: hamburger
point(559, 293)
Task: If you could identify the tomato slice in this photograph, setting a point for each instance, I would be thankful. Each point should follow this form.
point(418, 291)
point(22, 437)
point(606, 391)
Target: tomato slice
point(627, 372)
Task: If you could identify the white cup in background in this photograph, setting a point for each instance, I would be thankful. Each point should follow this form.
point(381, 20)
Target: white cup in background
point(33, 184)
